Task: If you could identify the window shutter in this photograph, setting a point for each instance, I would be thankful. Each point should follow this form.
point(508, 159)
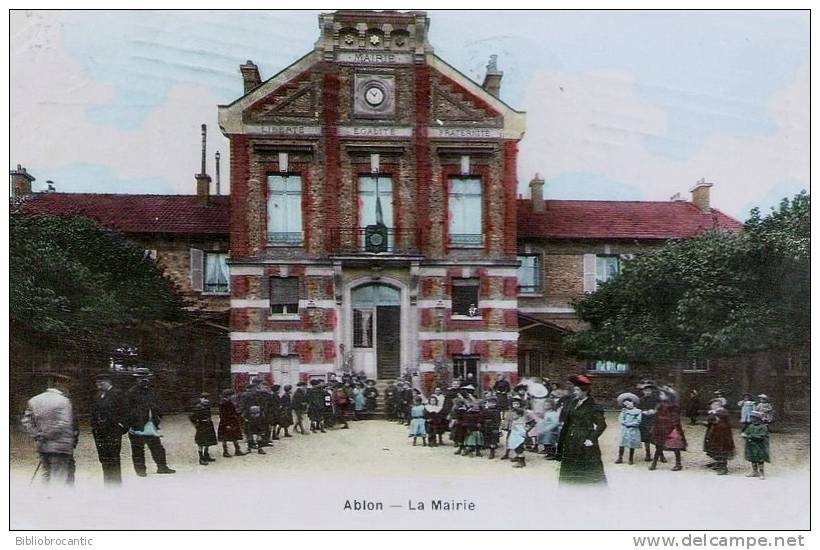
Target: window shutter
point(196, 269)
point(589, 273)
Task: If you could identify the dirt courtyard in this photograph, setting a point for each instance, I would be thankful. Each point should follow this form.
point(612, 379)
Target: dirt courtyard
point(306, 481)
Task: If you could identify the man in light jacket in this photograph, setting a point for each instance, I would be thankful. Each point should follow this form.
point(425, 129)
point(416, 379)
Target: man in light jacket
point(50, 419)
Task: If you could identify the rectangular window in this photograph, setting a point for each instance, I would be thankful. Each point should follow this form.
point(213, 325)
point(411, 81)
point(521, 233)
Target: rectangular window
point(533, 363)
point(529, 274)
point(216, 273)
point(465, 297)
point(606, 267)
point(609, 367)
point(697, 365)
point(466, 213)
point(285, 210)
point(284, 295)
point(376, 204)
point(465, 368)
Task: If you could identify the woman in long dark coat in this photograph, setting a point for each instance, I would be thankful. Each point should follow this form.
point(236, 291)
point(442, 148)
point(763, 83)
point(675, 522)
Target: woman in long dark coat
point(718, 442)
point(578, 447)
point(230, 424)
point(285, 412)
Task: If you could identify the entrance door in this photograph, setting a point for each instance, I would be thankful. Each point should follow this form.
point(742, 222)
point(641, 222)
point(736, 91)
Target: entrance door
point(376, 330)
point(388, 341)
point(285, 370)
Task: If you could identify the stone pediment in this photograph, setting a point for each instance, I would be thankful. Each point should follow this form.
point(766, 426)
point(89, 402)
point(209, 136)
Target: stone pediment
point(294, 100)
point(454, 103)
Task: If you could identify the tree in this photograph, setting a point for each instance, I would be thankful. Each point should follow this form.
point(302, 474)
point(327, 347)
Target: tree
point(76, 286)
point(716, 294)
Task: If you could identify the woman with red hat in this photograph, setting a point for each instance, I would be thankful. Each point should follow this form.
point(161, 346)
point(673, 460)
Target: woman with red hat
point(578, 447)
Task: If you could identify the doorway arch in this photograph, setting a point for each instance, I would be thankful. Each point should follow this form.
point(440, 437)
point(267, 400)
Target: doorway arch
point(376, 321)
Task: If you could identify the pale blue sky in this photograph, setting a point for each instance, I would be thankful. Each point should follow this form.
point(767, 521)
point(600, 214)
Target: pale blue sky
point(621, 105)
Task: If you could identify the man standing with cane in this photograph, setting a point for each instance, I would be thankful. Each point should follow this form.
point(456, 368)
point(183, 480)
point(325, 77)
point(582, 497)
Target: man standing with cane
point(50, 419)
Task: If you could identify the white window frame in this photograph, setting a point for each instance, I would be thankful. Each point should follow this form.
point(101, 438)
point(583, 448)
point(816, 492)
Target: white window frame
point(477, 286)
point(457, 238)
point(205, 283)
point(593, 368)
point(538, 287)
point(290, 230)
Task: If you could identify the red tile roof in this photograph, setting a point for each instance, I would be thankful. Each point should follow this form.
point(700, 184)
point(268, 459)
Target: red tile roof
point(567, 219)
point(561, 219)
point(178, 214)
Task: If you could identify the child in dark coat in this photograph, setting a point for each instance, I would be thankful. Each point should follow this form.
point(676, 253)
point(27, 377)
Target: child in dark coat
point(756, 435)
point(371, 395)
point(205, 435)
point(257, 428)
point(230, 424)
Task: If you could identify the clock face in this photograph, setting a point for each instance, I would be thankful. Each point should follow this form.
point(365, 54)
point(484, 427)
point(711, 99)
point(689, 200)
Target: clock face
point(374, 96)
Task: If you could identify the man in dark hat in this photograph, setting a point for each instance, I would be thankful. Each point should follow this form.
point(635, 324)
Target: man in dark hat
point(145, 415)
point(109, 422)
point(273, 411)
point(316, 405)
point(285, 411)
point(300, 406)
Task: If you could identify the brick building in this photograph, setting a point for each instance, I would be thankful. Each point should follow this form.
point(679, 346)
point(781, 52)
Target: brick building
point(187, 236)
point(374, 225)
point(373, 210)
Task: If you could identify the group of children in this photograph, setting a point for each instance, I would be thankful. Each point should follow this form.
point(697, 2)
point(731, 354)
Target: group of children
point(653, 419)
point(262, 412)
point(480, 423)
point(519, 422)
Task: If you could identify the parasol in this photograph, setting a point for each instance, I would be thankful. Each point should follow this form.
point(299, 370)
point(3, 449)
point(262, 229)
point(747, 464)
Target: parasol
point(536, 389)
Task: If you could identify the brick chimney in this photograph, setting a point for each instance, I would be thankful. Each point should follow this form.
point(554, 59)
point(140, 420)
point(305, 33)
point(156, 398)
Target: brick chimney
point(537, 193)
point(250, 76)
point(700, 195)
point(20, 182)
point(203, 180)
point(492, 79)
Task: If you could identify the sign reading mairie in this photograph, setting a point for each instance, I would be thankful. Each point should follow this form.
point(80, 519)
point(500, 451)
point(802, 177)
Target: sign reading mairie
point(374, 58)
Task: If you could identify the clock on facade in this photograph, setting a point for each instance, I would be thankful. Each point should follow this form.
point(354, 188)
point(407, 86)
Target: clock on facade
point(374, 95)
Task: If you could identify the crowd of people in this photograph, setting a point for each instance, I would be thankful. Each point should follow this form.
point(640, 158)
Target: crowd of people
point(565, 423)
point(262, 413)
point(562, 422)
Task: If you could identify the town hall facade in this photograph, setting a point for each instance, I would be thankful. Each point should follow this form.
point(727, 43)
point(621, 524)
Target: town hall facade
point(373, 210)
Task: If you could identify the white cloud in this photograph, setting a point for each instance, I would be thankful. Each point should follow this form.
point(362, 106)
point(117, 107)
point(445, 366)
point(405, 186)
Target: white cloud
point(595, 123)
point(49, 128)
